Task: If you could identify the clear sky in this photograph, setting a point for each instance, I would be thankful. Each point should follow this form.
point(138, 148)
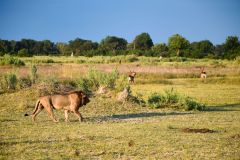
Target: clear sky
point(64, 20)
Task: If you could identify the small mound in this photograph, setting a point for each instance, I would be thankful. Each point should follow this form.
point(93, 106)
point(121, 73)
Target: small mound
point(202, 130)
point(236, 136)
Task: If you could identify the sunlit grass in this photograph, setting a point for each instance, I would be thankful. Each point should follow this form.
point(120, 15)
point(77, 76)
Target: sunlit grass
point(116, 130)
point(205, 92)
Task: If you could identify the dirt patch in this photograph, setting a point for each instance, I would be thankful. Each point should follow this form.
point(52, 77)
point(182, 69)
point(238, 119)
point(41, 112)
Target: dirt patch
point(201, 130)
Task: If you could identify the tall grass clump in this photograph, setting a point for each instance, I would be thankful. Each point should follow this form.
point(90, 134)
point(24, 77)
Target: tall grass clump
point(172, 99)
point(84, 85)
point(33, 73)
point(237, 60)
point(99, 78)
point(52, 85)
point(121, 83)
point(190, 104)
point(24, 82)
point(10, 60)
point(8, 82)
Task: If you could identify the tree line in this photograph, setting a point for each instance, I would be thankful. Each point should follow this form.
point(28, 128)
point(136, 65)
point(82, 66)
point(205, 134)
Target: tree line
point(142, 45)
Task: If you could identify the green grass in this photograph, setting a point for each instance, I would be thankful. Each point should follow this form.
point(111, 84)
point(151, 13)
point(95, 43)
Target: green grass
point(209, 92)
point(173, 61)
point(114, 130)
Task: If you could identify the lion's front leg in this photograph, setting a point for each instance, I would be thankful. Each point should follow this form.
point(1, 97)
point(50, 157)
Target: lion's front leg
point(77, 113)
point(66, 115)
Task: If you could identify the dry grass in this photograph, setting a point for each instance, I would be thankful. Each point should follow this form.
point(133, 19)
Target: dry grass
point(166, 72)
point(114, 130)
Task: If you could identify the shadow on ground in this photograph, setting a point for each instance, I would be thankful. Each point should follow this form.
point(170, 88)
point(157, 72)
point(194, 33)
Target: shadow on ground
point(224, 107)
point(132, 116)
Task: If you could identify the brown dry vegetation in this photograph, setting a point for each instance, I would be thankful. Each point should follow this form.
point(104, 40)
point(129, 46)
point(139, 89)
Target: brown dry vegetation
point(124, 130)
point(74, 70)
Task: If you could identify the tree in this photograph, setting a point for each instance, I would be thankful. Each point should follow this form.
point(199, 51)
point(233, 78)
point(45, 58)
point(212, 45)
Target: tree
point(231, 43)
point(218, 50)
point(178, 44)
point(63, 48)
point(5, 46)
point(114, 43)
point(160, 49)
point(231, 47)
point(142, 42)
point(79, 46)
point(23, 53)
point(201, 49)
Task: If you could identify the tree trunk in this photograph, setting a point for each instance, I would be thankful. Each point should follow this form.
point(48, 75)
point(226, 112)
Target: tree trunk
point(178, 51)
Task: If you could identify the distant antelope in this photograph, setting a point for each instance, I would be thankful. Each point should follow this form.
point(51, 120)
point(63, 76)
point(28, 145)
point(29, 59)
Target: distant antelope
point(131, 77)
point(203, 74)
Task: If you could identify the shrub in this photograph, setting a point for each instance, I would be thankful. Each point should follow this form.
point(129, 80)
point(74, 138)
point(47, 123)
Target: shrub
point(24, 82)
point(99, 78)
point(156, 100)
point(172, 99)
point(190, 104)
point(112, 77)
point(138, 99)
point(49, 61)
point(132, 58)
point(237, 60)
point(10, 81)
point(121, 83)
point(171, 96)
point(33, 73)
point(84, 85)
point(9, 60)
point(51, 85)
point(23, 53)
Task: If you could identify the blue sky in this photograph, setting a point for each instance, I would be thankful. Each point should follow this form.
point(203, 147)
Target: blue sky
point(64, 20)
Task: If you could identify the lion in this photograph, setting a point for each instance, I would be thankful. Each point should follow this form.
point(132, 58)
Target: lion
point(70, 102)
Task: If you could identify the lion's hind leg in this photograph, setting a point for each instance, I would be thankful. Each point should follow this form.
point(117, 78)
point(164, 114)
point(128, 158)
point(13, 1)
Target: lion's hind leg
point(49, 110)
point(39, 109)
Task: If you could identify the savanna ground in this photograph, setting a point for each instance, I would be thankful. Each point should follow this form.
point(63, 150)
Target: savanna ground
point(124, 130)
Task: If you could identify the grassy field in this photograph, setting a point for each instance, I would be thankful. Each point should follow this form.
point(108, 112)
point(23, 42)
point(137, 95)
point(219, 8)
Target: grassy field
point(124, 130)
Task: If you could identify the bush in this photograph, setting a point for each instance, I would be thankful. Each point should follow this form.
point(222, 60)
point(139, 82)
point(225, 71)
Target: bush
point(99, 78)
point(172, 99)
point(84, 85)
point(138, 99)
point(9, 60)
point(23, 53)
point(112, 77)
point(24, 82)
point(51, 85)
point(156, 100)
point(190, 104)
point(237, 60)
point(121, 83)
point(33, 73)
point(132, 58)
point(49, 61)
point(9, 82)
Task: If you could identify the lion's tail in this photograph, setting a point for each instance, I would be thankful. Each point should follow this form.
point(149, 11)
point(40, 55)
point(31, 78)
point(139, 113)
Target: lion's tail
point(35, 110)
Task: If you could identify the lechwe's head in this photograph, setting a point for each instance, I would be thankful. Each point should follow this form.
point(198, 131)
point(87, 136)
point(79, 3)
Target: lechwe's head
point(132, 73)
